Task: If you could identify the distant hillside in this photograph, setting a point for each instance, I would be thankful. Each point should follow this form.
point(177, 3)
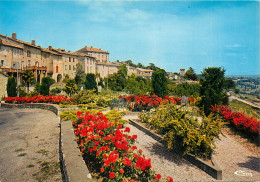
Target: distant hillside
point(244, 76)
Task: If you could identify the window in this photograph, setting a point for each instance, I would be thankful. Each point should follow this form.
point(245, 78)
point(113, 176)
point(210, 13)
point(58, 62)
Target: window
point(5, 50)
point(28, 53)
point(69, 59)
point(13, 65)
point(14, 52)
point(57, 69)
point(20, 53)
point(29, 62)
point(65, 67)
point(74, 68)
point(36, 63)
point(22, 64)
point(69, 67)
point(2, 63)
point(73, 60)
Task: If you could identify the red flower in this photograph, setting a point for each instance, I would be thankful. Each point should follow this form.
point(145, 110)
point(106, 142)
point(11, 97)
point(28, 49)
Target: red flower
point(111, 175)
point(121, 171)
point(169, 179)
point(126, 161)
point(127, 129)
point(102, 170)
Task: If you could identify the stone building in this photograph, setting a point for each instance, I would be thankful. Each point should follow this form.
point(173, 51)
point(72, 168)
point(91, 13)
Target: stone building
point(3, 84)
point(17, 55)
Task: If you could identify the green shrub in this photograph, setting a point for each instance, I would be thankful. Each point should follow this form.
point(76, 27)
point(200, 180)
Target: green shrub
point(55, 91)
point(182, 132)
point(33, 93)
point(11, 87)
point(22, 93)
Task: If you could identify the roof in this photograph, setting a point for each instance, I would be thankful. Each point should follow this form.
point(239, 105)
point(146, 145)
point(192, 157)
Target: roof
point(85, 55)
point(108, 64)
point(10, 44)
point(145, 70)
point(49, 51)
point(63, 52)
point(91, 49)
point(20, 41)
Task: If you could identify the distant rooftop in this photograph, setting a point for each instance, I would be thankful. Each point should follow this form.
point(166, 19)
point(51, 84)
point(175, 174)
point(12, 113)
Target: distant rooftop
point(91, 49)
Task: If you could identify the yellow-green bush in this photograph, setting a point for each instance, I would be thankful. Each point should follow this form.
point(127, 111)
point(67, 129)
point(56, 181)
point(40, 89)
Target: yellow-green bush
point(182, 132)
point(116, 115)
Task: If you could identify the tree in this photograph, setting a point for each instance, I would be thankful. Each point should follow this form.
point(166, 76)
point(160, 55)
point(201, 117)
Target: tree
point(28, 77)
point(190, 74)
point(11, 87)
point(70, 87)
point(90, 82)
point(137, 85)
point(80, 74)
point(45, 86)
point(159, 83)
point(139, 65)
point(229, 83)
point(211, 91)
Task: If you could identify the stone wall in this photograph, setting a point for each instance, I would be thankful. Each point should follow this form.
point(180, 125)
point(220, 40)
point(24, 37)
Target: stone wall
point(3, 84)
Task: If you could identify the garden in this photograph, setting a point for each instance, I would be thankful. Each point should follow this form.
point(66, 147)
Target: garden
point(190, 126)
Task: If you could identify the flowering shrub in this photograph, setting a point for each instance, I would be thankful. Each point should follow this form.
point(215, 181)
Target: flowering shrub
point(239, 120)
point(38, 99)
point(111, 149)
point(144, 102)
point(181, 131)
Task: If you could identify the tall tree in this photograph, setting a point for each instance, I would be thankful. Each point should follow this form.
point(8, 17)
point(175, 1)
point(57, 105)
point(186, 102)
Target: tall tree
point(28, 77)
point(80, 74)
point(90, 82)
point(11, 87)
point(211, 91)
point(190, 74)
point(45, 86)
point(159, 83)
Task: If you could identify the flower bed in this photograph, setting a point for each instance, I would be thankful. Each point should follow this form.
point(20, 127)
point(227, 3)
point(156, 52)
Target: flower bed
point(249, 125)
point(38, 99)
point(111, 149)
point(144, 102)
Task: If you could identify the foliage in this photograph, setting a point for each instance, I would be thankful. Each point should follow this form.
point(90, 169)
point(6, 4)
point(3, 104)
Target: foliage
point(45, 85)
point(55, 91)
point(240, 121)
point(90, 82)
point(115, 115)
point(211, 90)
point(37, 87)
point(33, 93)
point(37, 99)
point(229, 84)
point(28, 77)
point(11, 87)
point(190, 74)
point(80, 74)
point(144, 102)
point(159, 83)
point(22, 93)
point(236, 91)
point(138, 85)
point(111, 150)
point(70, 87)
point(117, 81)
point(184, 89)
point(182, 132)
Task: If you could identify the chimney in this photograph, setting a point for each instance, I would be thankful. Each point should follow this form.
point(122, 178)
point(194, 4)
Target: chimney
point(14, 35)
point(50, 48)
point(33, 42)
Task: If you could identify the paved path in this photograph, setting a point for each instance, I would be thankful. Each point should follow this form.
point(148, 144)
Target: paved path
point(29, 145)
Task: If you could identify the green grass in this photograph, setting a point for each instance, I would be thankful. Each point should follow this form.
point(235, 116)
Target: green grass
point(239, 106)
point(22, 154)
point(30, 165)
point(47, 170)
point(43, 152)
point(19, 150)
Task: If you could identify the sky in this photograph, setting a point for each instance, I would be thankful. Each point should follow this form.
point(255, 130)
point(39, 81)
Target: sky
point(170, 34)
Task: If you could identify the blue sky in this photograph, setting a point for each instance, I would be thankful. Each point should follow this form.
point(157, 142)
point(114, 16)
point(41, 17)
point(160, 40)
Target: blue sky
point(170, 34)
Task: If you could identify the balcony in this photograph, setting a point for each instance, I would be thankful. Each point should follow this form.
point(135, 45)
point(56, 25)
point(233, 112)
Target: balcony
point(41, 68)
point(11, 70)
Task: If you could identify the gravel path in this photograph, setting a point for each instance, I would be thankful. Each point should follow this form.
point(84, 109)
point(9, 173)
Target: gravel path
point(165, 162)
point(231, 156)
point(29, 145)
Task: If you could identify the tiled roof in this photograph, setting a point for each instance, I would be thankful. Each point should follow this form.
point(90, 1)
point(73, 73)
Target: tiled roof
point(10, 44)
point(20, 41)
point(91, 49)
point(63, 52)
point(49, 51)
point(145, 70)
point(85, 55)
point(108, 64)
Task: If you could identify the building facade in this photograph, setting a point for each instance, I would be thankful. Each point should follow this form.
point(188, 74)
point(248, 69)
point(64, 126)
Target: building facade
point(17, 56)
